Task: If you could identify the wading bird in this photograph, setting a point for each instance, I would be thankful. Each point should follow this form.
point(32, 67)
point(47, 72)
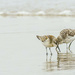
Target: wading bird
point(66, 36)
point(48, 41)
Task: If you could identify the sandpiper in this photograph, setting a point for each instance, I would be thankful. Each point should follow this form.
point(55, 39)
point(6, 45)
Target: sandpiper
point(48, 41)
point(66, 36)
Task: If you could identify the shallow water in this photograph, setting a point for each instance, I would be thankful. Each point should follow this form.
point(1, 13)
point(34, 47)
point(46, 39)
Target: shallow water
point(22, 53)
point(65, 61)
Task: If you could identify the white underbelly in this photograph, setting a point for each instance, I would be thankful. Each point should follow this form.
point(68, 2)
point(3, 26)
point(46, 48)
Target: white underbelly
point(48, 44)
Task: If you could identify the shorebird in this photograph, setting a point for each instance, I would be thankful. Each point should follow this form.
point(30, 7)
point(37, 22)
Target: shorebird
point(66, 36)
point(48, 41)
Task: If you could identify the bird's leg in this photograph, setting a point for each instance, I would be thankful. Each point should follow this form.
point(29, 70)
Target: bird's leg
point(57, 51)
point(66, 48)
point(58, 48)
point(50, 51)
point(69, 47)
point(46, 55)
point(50, 54)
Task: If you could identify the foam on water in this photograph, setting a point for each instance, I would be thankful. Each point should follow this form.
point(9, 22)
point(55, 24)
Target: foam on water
point(39, 13)
point(66, 12)
point(37, 7)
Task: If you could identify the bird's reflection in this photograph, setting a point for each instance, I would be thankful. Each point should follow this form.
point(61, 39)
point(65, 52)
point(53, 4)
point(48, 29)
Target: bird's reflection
point(64, 61)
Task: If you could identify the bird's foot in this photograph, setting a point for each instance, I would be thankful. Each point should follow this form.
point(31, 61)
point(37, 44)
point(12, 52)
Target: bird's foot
point(51, 54)
point(47, 54)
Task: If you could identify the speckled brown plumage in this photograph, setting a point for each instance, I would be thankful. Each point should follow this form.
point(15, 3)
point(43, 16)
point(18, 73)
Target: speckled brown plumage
point(45, 37)
point(67, 32)
point(66, 36)
point(48, 41)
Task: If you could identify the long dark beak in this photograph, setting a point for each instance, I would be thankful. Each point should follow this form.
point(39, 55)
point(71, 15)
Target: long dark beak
point(37, 37)
point(58, 48)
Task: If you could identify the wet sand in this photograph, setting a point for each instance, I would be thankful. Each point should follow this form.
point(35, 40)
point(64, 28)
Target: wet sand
point(21, 53)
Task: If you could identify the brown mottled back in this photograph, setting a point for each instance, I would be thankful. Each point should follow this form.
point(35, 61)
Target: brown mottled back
point(71, 32)
point(51, 37)
point(59, 39)
point(45, 37)
point(65, 32)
